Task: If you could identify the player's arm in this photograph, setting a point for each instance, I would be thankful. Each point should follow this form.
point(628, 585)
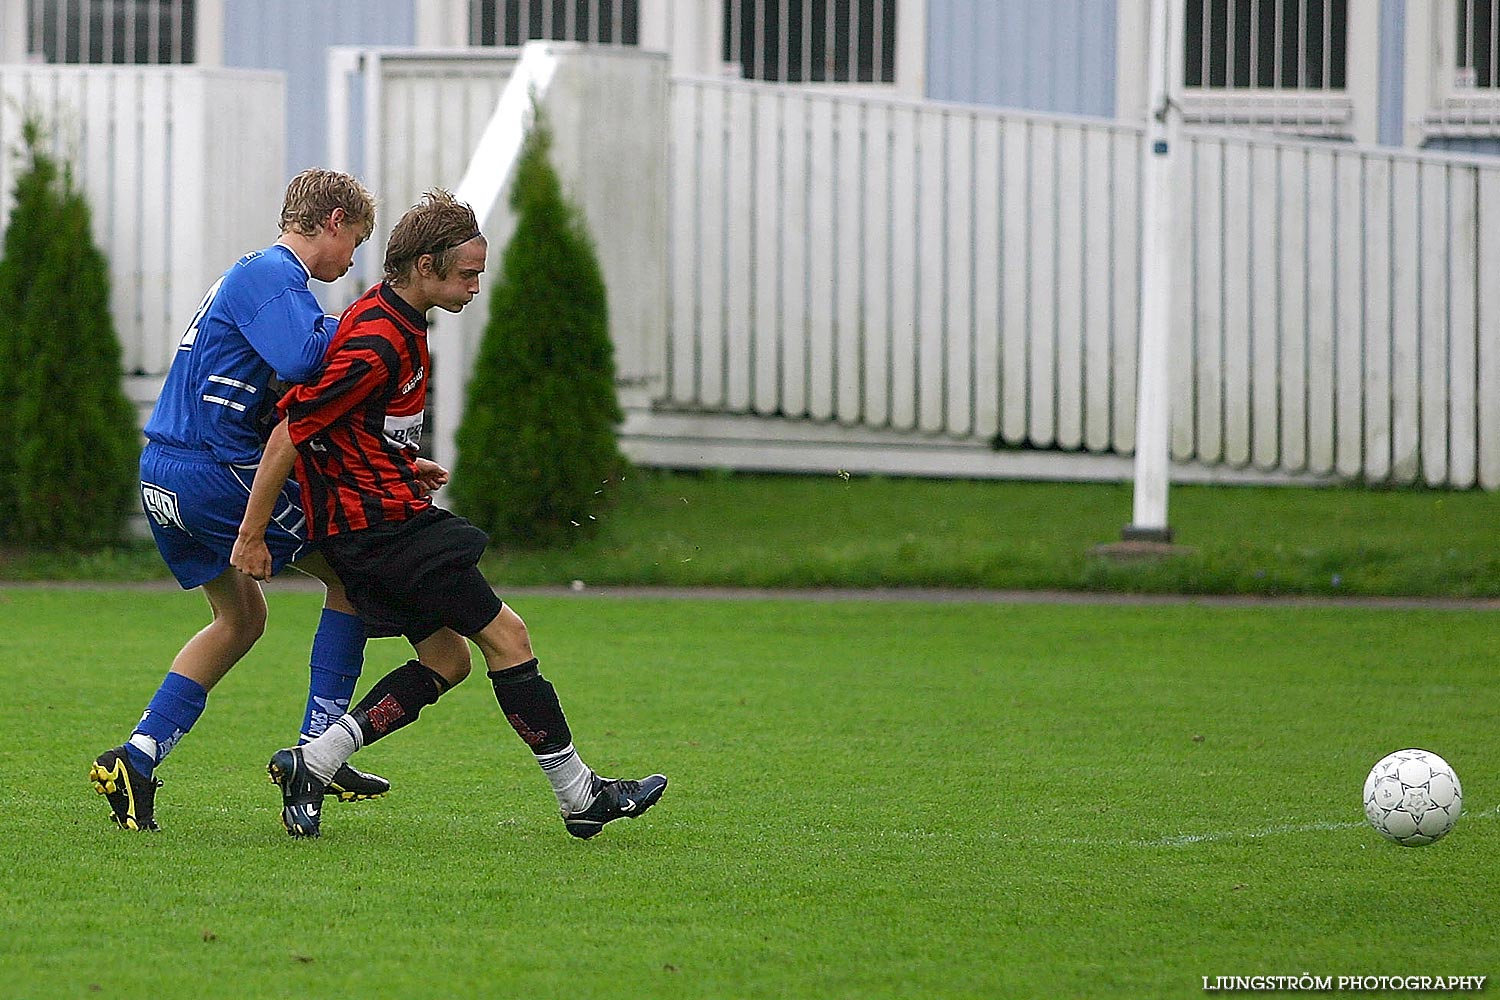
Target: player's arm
point(350, 376)
point(250, 555)
point(354, 371)
point(292, 334)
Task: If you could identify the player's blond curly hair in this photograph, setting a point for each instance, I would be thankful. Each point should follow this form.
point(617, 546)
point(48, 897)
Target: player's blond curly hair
point(312, 196)
point(438, 224)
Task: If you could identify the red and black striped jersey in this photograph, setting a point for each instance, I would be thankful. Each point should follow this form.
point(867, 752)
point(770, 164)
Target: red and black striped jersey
point(358, 424)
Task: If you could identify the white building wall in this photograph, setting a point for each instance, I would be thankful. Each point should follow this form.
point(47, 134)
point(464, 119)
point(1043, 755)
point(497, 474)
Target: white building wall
point(294, 37)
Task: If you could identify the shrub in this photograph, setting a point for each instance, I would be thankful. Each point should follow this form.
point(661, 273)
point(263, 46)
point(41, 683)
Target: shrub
point(538, 438)
point(71, 468)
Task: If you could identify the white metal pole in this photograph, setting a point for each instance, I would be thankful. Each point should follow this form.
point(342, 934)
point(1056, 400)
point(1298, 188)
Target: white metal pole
point(1153, 403)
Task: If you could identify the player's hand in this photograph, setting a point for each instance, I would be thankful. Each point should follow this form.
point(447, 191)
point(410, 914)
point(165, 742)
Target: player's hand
point(430, 476)
point(251, 557)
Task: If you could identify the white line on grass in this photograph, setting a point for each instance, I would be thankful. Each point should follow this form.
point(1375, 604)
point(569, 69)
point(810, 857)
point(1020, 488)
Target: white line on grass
point(1174, 840)
point(1187, 839)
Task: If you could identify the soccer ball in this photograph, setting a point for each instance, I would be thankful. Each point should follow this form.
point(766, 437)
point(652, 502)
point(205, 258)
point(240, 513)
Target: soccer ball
point(1413, 797)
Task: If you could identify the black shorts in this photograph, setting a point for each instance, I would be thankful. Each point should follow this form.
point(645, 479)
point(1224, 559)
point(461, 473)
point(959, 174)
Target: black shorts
point(416, 576)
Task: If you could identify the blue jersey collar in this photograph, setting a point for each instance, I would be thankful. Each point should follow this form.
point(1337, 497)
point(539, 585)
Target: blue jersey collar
point(293, 254)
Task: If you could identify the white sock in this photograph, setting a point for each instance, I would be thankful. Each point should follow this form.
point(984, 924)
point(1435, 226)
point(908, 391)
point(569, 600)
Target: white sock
point(326, 754)
point(571, 779)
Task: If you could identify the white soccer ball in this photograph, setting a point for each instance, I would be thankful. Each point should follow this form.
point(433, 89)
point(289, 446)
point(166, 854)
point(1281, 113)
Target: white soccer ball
point(1413, 797)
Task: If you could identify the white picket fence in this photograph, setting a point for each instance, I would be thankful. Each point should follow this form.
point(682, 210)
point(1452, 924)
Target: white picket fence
point(844, 269)
point(1343, 315)
point(968, 274)
point(182, 168)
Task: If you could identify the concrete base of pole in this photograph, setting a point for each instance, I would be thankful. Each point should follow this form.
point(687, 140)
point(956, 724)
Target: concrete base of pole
point(1135, 533)
point(1140, 550)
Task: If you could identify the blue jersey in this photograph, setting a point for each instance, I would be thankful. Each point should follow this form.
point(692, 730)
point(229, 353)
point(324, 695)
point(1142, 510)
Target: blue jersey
point(258, 321)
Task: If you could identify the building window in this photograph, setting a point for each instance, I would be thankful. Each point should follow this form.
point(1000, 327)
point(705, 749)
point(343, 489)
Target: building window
point(1267, 44)
point(509, 23)
point(1452, 79)
point(111, 31)
point(1478, 47)
point(812, 41)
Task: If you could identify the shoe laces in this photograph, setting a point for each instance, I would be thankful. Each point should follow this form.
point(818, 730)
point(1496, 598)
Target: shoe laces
point(623, 786)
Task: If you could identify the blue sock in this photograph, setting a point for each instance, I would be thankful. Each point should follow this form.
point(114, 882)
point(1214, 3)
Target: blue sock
point(171, 713)
point(338, 654)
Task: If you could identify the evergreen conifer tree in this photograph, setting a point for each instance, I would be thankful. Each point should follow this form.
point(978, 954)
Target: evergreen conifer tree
point(70, 470)
point(20, 259)
point(538, 436)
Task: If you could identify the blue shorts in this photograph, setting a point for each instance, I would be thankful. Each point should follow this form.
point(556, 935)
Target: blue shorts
point(194, 505)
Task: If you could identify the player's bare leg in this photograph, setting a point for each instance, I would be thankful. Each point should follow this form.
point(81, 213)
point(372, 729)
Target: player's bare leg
point(126, 775)
point(239, 620)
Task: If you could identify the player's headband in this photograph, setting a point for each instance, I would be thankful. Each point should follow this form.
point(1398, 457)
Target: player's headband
point(457, 243)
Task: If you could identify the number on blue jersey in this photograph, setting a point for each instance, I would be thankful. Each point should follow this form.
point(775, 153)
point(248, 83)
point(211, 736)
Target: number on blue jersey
point(192, 331)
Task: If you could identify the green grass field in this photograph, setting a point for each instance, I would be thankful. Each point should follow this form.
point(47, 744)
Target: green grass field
point(868, 800)
point(824, 531)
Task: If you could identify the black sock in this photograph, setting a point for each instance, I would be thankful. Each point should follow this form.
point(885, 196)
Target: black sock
point(397, 699)
point(530, 704)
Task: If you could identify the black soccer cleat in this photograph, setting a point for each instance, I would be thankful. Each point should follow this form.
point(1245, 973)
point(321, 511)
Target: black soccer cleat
point(349, 784)
point(301, 792)
point(614, 799)
point(131, 795)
